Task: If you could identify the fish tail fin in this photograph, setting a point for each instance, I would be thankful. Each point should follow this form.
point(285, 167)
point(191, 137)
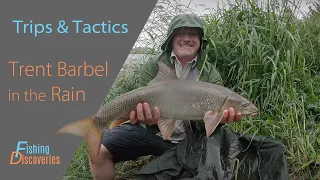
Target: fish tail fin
point(87, 129)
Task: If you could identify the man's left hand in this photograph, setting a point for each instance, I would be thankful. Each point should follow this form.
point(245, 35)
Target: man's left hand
point(230, 116)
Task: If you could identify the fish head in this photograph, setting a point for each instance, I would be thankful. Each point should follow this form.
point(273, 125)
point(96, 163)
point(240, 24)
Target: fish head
point(242, 105)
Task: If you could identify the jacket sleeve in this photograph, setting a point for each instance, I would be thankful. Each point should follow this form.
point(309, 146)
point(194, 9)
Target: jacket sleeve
point(148, 72)
point(215, 76)
point(211, 74)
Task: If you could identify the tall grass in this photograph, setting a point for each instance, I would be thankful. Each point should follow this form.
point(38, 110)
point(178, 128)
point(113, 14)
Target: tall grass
point(267, 54)
point(271, 57)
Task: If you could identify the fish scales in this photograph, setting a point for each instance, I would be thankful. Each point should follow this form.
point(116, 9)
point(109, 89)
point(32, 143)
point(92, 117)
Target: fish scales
point(176, 99)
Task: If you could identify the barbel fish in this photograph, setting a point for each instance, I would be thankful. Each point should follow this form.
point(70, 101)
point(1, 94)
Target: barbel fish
point(175, 98)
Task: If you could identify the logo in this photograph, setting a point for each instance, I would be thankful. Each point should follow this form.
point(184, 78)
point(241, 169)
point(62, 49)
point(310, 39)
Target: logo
point(33, 154)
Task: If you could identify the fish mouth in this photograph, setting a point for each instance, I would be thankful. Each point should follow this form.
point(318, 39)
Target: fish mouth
point(253, 114)
point(252, 111)
point(249, 113)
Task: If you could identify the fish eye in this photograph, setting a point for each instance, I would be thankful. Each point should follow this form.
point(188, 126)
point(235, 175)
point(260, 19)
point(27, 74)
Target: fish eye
point(244, 104)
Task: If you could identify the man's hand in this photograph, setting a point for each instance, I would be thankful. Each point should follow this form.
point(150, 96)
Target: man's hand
point(144, 115)
point(230, 116)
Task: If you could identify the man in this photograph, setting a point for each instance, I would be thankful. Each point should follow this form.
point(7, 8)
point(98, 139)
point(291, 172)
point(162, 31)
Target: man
point(184, 51)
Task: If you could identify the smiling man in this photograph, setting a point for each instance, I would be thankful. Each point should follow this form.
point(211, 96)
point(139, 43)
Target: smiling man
point(186, 43)
point(183, 51)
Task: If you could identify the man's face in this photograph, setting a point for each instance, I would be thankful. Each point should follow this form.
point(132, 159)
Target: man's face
point(186, 42)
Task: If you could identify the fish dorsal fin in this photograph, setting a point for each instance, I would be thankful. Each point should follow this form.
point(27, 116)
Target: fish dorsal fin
point(165, 73)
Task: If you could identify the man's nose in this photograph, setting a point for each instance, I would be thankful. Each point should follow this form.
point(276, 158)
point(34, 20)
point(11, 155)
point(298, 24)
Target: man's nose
point(186, 37)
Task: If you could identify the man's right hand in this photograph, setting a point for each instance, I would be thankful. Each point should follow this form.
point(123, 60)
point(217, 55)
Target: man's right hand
point(144, 115)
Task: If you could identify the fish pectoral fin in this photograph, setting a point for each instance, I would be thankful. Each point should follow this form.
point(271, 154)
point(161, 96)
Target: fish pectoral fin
point(166, 127)
point(91, 134)
point(211, 121)
point(165, 73)
point(118, 123)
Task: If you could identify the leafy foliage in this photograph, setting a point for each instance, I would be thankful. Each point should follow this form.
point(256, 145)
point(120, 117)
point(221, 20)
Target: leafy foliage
point(266, 53)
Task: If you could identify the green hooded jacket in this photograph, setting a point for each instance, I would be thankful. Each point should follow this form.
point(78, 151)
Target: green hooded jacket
point(205, 71)
point(199, 157)
point(209, 72)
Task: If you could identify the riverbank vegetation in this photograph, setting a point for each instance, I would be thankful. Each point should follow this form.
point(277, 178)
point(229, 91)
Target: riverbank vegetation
point(267, 53)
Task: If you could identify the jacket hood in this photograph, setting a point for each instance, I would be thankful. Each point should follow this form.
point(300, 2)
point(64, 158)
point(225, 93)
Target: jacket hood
point(184, 20)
